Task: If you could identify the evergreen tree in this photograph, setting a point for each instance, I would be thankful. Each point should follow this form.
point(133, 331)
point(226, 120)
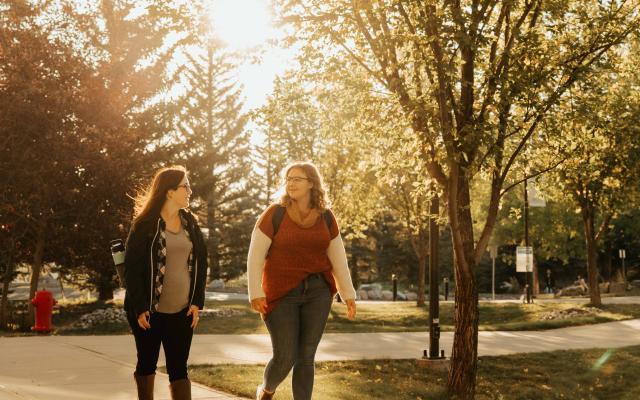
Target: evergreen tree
point(212, 138)
point(128, 47)
point(289, 123)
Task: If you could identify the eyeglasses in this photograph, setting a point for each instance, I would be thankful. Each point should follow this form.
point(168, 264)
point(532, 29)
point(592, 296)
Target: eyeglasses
point(296, 179)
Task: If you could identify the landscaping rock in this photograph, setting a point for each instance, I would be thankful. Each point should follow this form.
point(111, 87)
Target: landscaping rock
point(570, 313)
point(101, 316)
point(220, 312)
point(370, 286)
point(118, 315)
point(374, 295)
point(402, 296)
point(412, 296)
point(617, 287)
point(362, 295)
point(387, 295)
point(215, 284)
point(373, 290)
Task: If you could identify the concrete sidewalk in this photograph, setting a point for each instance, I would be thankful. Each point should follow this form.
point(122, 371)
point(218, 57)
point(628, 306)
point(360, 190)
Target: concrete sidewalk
point(64, 368)
point(100, 367)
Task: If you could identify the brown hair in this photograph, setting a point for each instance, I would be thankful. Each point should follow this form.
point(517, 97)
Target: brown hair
point(319, 198)
point(149, 201)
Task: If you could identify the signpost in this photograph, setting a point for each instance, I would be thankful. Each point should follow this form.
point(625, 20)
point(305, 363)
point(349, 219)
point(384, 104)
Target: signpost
point(524, 259)
point(524, 263)
point(434, 273)
point(623, 254)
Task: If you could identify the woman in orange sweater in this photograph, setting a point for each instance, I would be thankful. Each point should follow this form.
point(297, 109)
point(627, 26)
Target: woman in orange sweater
point(296, 264)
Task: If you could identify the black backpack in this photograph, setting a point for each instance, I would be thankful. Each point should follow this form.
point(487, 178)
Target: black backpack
point(278, 215)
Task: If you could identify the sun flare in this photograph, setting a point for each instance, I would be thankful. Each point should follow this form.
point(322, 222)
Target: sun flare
point(241, 24)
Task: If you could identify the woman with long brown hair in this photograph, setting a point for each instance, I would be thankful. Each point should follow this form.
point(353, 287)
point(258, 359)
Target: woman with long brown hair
point(165, 273)
point(296, 264)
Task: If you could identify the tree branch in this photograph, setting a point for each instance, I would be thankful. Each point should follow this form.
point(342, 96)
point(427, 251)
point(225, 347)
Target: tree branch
point(504, 191)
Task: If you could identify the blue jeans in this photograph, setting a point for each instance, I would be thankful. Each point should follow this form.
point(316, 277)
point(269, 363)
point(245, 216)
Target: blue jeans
point(296, 326)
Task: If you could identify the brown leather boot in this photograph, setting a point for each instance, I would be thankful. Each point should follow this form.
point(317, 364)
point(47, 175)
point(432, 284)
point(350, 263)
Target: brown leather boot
point(145, 386)
point(180, 389)
point(262, 394)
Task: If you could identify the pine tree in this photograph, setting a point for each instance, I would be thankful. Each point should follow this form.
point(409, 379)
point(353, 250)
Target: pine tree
point(210, 128)
point(290, 124)
point(130, 53)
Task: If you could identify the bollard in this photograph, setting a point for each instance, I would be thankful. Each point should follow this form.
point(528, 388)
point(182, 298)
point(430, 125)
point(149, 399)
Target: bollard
point(446, 289)
point(394, 279)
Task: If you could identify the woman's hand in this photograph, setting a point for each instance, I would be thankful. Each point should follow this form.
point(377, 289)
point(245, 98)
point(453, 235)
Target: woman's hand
point(351, 308)
point(196, 317)
point(259, 305)
point(143, 320)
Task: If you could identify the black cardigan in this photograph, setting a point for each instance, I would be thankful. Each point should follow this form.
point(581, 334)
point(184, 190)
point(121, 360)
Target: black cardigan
point(140, 264)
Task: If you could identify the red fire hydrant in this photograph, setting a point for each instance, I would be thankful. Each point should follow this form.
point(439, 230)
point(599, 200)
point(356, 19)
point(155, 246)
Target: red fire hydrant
point(44, 303)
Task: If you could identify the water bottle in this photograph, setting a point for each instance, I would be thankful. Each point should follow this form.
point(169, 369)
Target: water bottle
point(117, 252)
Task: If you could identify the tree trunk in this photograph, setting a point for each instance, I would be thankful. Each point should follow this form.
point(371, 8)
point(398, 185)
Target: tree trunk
point(536, 279)
point(104, 287)
point(592, 255)
point(422, 262)
point(212, 242)
point(269, 172)
point(464, 358)
point(6, 280)
point(7, 277)
point(35, 269)
point(608, 259)
point(60, 279)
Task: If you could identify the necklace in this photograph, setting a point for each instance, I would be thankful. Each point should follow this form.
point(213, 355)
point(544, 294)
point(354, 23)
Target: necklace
point(304, 220)
point(304, 216)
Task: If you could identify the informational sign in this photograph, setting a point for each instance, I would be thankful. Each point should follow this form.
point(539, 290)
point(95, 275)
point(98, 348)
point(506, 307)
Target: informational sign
point(524, 259)
point(535, 200)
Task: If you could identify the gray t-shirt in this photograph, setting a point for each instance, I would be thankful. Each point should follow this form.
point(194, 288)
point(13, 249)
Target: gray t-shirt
point(176, 283)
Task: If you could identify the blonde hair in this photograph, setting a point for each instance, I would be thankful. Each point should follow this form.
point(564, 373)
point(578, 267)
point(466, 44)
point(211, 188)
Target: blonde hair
point(319, 198)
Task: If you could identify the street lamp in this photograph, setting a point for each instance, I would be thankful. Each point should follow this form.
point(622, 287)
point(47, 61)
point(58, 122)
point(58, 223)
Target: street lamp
point(527, 286)
point(535, 201)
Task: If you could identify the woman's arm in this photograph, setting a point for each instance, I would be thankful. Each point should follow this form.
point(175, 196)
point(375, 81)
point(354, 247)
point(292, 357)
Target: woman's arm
point(258, 249)
point(134, 264)
point(338, 257)
point(203, 268)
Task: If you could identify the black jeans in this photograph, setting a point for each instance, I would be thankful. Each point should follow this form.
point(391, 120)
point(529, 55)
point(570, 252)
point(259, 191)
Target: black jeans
point(174, 332)
point(296, 326)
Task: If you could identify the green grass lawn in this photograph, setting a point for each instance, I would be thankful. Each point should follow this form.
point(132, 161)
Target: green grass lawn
point(575, 374)
point(406, 317)
point(372, 317)
point(393, 317)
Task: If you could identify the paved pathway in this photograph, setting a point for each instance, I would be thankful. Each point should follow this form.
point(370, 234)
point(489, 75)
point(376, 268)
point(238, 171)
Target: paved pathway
point(70, 368)
point(99, 367)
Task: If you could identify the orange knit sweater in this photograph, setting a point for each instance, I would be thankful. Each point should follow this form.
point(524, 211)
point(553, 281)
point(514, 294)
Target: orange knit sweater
point(295, 253)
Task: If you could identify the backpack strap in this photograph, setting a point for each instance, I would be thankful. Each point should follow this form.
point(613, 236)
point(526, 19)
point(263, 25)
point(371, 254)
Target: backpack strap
point(327, 219)
point(278, 216)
